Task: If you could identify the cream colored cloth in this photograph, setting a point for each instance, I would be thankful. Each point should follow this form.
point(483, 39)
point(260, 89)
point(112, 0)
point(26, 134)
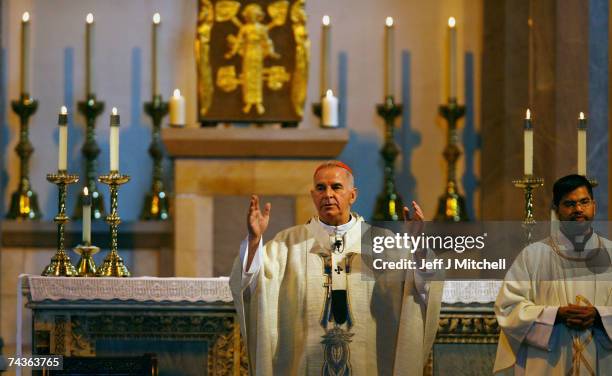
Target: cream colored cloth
point(393, 330)
point(537, 284)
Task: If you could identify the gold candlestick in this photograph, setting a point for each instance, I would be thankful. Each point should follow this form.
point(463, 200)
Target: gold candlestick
point(528, 183)
point(86, 267)
point(60, 265)
point(113, 265)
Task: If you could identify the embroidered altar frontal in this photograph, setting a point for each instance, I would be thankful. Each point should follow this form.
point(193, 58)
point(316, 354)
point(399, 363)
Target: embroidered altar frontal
point(188, 323)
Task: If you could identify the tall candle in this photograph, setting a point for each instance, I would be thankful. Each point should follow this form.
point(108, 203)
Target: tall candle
point(89, 20)
point(177, 108)
point(154, 57)
point(452, 55)
point(329, 110)
point(582, 145)
point(86, 217)
point(389, 55)
point(325, 55)
point(114, 140)
point(62, 159)
point(25, 53)
point(528, 139)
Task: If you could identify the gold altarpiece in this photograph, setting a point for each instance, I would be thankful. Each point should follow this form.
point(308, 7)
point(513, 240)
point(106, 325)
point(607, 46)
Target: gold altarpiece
point(252, 61)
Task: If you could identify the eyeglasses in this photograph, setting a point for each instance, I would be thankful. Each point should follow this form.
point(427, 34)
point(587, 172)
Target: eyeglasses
point(584, 203)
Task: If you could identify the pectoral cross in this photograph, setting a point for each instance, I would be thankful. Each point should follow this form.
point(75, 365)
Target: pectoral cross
point(338, 269)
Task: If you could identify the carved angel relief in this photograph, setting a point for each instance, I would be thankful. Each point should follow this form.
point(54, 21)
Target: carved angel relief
point(252, 64)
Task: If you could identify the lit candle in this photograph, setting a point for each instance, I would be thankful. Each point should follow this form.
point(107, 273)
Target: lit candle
point(528, 138)
point(325, 55)
point(154, 83)
point(62, 159)
point(89, 20)
point(329, 110)
point(389, 54)
point(582, 145)
point(86, 217)
point(452, 56)
point(114, 140)
point(25, 52)
point(177, 109)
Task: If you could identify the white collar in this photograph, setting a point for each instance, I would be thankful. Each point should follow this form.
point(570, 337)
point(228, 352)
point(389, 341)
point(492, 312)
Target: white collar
point(340, 230)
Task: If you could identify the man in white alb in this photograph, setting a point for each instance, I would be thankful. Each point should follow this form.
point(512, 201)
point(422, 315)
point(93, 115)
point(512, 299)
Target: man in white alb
point(305, 305)
point(554, 307)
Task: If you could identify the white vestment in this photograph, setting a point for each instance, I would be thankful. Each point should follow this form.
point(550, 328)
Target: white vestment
point(545, 276)
point(281, 309)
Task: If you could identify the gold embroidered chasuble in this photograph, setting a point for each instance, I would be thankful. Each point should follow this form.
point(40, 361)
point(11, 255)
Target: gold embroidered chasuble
point(392, 330)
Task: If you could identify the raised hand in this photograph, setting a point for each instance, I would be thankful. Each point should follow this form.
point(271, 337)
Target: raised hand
point(257, 220)
point(414, 220)
point(257, 223)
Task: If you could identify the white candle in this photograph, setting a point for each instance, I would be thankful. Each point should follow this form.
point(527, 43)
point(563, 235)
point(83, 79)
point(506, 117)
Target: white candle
point(389, 66)
point(528, 139)
point(325, 55)
point(25, 53)
point(86, 217)
point(62, 159)
point(154, 57)
point(329, 111)
point(582, 145)
point(177, 109)
point(114, 140)
point(88, 52)
point(452, 54)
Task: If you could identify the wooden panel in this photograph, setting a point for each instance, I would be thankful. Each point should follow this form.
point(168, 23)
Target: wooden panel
point(254, 142)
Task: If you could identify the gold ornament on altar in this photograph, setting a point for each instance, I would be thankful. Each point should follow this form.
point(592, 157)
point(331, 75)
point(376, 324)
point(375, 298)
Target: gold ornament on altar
point(252, 64)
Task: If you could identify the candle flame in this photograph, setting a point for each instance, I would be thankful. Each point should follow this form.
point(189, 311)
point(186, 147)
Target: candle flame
point(329, 93)
point(25, 17)
point(389, 21)
point(63, 110)
point(85, 191)
point(581, 116)
point(114, 111)
point(89, 19)
point(326, 20)
point(156, 18)
point(177, 93)
point(451, 22)
point(528, 115)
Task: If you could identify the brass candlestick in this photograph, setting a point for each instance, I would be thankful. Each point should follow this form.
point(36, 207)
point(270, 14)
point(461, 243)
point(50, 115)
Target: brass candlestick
point(113, 265)
point(24, 201)
point(389, 203)
point(528, 183)
point(86, 267)
point(451, 205)
point(156, 201)
point(60, 265)
point(91, 109)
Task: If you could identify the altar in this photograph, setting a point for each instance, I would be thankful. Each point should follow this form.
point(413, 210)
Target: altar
point(190, 325)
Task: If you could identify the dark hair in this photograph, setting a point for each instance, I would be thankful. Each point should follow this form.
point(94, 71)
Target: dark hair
point(568, 184)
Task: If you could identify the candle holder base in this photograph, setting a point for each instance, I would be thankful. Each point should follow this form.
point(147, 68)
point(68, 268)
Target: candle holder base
point(60, 266)
point(113, 266)
point(24, 205)
point(451, 206)
point(86, 267)
point(156, 206)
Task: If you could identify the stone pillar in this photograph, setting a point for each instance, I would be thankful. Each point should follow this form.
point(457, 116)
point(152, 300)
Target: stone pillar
point(560, 92)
